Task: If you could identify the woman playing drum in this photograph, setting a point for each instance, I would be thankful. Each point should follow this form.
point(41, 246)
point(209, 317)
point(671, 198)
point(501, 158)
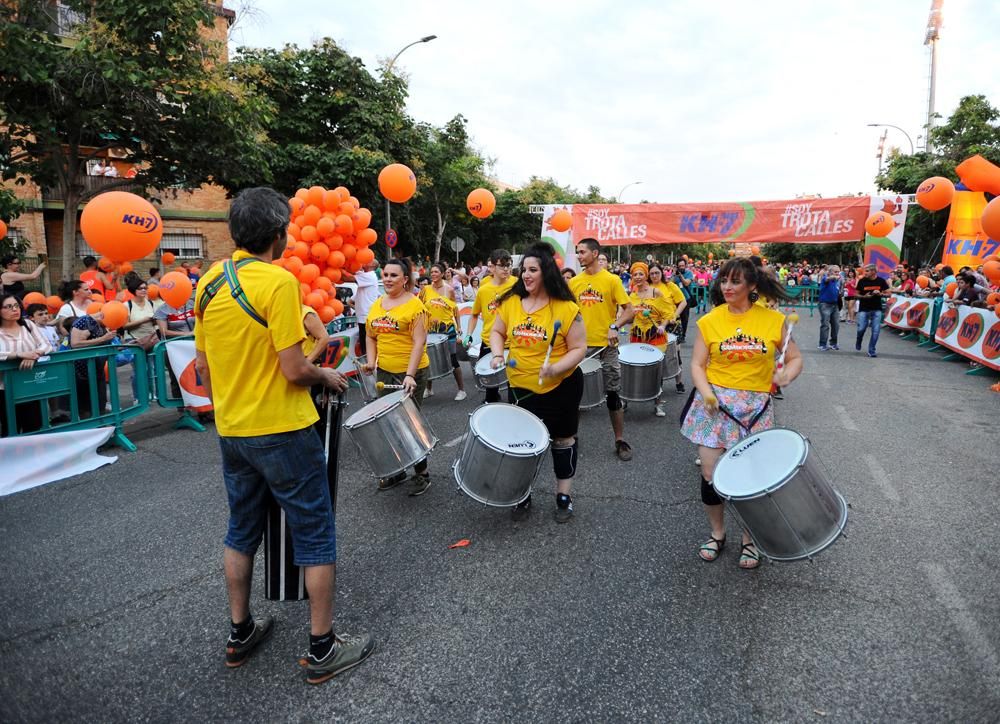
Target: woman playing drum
point(654, 314)
point(539, 321)
point(732, 368)
point(442, 318)
point(397, 337)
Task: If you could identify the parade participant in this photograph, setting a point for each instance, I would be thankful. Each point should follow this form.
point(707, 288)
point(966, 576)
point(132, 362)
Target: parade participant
point(264, 417)
point(605, 308)
point(653, 314)
point(442, 318)
point(485, 304)
point(732, 369)
point(397, 351)
point(870, 290)
point(684, 279)
point(536, 315)
point(12, 279)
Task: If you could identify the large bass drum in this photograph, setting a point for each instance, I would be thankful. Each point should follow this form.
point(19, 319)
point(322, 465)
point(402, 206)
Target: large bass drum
point(391, 434)
point(775, 486)
point(593, 384)
point(641, 364)
point(503, 451)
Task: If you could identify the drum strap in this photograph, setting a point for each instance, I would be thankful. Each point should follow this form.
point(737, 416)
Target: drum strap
point(229, 277)
point(753, 421)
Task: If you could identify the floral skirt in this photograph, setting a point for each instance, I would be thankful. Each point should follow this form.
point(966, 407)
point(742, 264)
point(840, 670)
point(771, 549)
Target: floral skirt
point(720, 430)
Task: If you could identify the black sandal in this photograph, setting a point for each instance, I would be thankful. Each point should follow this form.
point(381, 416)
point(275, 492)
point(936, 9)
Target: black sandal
point(749, 556)
point(706, 547)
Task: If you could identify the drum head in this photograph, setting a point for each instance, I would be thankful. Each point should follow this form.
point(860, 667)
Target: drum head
point(375, 408)
point(639, 354)
point(483, 368)
point(589, 366)
point(435, 338)
point(509, 429)
point(671, 338)
point(759, 462)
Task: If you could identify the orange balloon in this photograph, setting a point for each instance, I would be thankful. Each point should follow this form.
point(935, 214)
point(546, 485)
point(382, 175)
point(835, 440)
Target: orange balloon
point(561, 220)
point(354, 202)
point(755, 250)
point(366, 237)
point(168, 258)
point(308, 273)
point(481, 203)
point(94, 307)
point(349, 251)
point(296, 205)
point(309, 234)
point(344, 224)
point(353, 266)
point(364, 256)
point(312, 214)
point(325, 227)
point(294, 264)
point(362, 219)
point(121, 226)
point(991, 219)
point(335, 242)
point(315, 195)
point(3, 229)
point(301, 250)
point(175, 289)
point(934, 193)
point(938, 267)
point(396, 182)
point(304, 289)
point(125, 267)
point(879, 224)
point(732, 252)
point(342, 193)
point(993, 298)
point(33, 298)
point(711, 255)
point(991, 270)
point(326, 314)
point(923, 281)
point(333, 275)
point(338, 306)
point(105, 264)
point(346, 208)
point(331, 200)
point(115, 315)
point(153, 291)
point(314, 300)
point(97, 297)
point(323, 282)
point(302, 194)
point(950, 289)
point(54, 303)
point(320, 251)
point(300, 220)
point(336, 259)
point(294, 231)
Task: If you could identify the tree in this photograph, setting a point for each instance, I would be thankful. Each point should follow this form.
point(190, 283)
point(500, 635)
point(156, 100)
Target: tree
point(142, 77)
point(972, 129)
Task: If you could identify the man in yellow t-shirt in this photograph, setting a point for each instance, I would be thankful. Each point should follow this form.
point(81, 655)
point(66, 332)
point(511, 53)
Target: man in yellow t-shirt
point(249, 356)
point(486, 303)
point(605, 307)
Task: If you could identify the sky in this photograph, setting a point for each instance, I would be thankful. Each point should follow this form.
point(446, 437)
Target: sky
point(699, 101)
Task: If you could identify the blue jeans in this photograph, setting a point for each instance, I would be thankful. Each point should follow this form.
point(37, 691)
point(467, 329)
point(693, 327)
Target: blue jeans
point(292, 466)
point(864, 319)
point(829, 323)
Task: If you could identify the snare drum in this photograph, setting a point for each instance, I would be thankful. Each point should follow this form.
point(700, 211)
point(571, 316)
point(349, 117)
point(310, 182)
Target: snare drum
point(777, 489)
point(641, 364)
point(365, 381)
point(391, 434)
point(593, 384)
point(671, 364)
point(438, 354)
point(503, 452)
point(488, 378)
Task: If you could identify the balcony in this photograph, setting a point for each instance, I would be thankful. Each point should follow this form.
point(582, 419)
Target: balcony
point(93, 184)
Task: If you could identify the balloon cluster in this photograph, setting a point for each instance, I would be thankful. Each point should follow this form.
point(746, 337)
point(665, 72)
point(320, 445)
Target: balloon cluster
point(327, 236)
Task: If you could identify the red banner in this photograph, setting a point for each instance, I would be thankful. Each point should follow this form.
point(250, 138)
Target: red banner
point(811, 221)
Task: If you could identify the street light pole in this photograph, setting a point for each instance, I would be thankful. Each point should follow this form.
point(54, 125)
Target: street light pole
point(889, 125)
point(618, 200)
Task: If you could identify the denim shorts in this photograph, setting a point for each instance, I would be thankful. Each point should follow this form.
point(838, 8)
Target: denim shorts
point(292, 467)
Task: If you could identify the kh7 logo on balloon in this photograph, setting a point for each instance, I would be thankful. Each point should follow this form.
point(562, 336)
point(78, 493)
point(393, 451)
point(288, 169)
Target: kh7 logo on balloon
point(149, 222)
point(971, 330)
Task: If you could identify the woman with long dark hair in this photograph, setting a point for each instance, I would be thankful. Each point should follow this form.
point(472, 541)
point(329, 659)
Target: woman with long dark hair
point(526, 323)
point(733, 368)
point(20, 339)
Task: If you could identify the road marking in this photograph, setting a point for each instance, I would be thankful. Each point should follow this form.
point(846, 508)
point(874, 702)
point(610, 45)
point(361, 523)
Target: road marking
point(845, 419)
point(976, 639)
point(881, 478)
point(456, 441)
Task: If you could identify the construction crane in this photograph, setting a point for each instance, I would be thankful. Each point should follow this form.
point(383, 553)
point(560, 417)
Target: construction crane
point(931, 39)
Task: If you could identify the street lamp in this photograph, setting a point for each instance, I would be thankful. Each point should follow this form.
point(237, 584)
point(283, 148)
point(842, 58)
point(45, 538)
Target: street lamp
point(425, 39)
point(889, 125)
point(618, 200)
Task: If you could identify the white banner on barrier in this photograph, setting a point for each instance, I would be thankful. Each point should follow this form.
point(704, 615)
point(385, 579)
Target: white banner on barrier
point(35, 460)
point(181, 355)
point(971, 332)
point(340, 351)
point(913, 313)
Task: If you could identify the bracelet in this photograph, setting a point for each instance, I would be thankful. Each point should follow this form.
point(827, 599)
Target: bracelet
point(498, 355)
point(410, 376)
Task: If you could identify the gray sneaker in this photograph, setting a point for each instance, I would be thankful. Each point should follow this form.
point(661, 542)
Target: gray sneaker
point(419, 484)
point(391, 482)
point(238, 651)
point(348, 652)
point(564, 515)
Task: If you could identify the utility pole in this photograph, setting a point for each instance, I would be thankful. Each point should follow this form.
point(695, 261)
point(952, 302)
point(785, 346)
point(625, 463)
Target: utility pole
point(931, 39)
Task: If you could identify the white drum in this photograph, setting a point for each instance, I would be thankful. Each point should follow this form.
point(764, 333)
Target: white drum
point(503, 451)
point(593, 384)
point(391, 434)
point(640, 365)
point(776, 487)
point(439, 356)
point(488, 378)
point(671, 365)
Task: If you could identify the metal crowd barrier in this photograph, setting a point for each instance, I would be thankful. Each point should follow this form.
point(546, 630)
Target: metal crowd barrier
point(803, 297)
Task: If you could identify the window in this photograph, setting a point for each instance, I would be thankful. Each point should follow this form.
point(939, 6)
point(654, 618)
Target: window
point(184, 243)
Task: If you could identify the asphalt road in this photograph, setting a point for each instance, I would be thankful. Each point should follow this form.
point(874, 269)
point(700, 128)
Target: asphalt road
point(114, 600)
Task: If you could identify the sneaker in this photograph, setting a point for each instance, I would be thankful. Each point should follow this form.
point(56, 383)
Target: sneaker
point(390, 483)
point(348, 652)
point(822, 347)
point(420, 481)
point(428, 392)
point(697, 462)
point(660, 412)
point(872, 354)
point(521, 510)
point(623, 450)
point(778, 394)
point(857, 348)
point(833, 347)
point(564, 515)
point(460, 395)
point(680, 388)
point(237, 652)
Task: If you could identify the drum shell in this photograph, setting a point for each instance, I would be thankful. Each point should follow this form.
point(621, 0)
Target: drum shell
point(393, 440)
point(439, 356)
point(493, 476)
point(671, 367)
point(641, 381)
point(593, 385)
point(491, 380)
point(365, 381)
point(796, 518)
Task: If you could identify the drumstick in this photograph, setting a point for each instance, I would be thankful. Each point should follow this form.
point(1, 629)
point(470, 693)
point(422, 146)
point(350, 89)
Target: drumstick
point(548, 353)
point(384, 386)
point(792, 318)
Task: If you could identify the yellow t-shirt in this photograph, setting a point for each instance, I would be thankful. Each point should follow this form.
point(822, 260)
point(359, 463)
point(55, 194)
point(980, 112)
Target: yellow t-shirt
point(650, 314)
point(308, 344)
point(440, 311)
point(741, 347)
point(673, 296)
point(485, 303)
point(599, 296)
point(393, 330)
point(250, 394)
point(528, 338)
